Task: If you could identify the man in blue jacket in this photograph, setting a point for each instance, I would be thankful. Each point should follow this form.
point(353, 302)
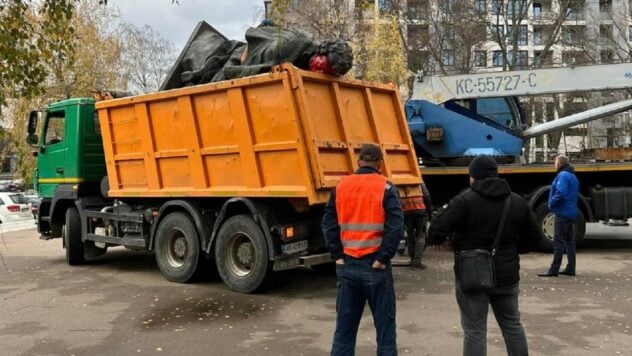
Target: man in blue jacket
point(563, 203)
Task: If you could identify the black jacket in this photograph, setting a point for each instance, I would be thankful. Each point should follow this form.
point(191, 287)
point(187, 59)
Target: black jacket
point(393, 224)
point(471, 220)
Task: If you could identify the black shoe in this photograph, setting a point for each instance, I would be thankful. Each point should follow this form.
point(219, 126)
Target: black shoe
point(567, 272)
point(547, 274)
point(418, 265)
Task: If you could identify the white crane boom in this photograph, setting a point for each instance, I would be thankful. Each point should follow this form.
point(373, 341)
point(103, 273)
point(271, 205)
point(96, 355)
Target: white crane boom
point(439, 89)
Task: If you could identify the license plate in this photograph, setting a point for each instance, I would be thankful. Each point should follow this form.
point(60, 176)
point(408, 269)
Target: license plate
point(294, 247)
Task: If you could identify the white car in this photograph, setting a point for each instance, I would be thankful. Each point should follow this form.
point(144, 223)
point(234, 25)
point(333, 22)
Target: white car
point(14, 207)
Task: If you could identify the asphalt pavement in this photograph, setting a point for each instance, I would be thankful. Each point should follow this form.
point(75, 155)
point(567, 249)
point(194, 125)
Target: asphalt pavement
point(121, 305)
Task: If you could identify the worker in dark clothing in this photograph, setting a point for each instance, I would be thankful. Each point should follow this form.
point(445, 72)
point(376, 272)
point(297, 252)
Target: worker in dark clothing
point(363, 224)
point(472, 219)
point(415, 222)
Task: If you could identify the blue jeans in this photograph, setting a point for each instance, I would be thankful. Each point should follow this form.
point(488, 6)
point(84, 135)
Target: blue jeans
point(474, 307)
point(358, 283)
point(563, 239)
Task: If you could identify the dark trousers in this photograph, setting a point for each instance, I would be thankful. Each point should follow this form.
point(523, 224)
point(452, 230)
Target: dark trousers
point(563, 240)
point(415, 235)
point(358, 283)
point(474, 307)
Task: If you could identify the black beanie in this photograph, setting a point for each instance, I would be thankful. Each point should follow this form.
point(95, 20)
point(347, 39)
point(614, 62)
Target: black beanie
point(482, 167)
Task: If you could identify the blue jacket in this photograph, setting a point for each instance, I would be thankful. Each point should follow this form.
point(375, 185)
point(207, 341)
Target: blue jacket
point(393, 224)
point(564, 192)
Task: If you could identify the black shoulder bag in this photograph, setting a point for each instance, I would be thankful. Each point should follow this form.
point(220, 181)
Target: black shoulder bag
point(474, 269)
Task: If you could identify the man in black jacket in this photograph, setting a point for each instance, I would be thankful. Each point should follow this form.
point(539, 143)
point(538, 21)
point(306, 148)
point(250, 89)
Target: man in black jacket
point(471, 220)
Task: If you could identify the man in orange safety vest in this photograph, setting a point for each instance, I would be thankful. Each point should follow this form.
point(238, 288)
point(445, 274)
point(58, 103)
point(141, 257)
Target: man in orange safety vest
point(363, 224)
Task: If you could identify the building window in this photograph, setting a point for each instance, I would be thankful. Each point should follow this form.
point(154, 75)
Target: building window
point(572, 57)
point(537, 36)
point(480, 59)
point(498, 32)
point(570, 36)
point(521, 36)
point(480, 5)
point(385, 6)
point(497, 58)
point(605, 34)
point(448, 31)
point(537, 10)
point(517, 8)
point(417, 35)
point(606, 56)
point(543, 58)
point(497, 7)
point(575, 11)
point(447, 57)
point(522, 59)
point(416, 9)
point(605, 5)
point(446, 5)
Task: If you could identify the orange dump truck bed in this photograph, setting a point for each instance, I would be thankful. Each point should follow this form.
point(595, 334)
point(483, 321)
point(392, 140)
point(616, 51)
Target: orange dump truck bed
point(290, 133)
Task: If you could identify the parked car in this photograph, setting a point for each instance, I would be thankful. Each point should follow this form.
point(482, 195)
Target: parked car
point(11, 186)
point(14, 207)
point(34, 203)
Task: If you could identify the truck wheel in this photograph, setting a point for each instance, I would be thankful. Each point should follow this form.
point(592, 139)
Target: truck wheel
point(177, 248)
point(71, 232)
point(241, 254)
point(546, 221)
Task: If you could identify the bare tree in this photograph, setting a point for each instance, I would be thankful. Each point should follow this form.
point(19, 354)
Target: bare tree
point(324, 19)
point(146, 58)
point(447, 37)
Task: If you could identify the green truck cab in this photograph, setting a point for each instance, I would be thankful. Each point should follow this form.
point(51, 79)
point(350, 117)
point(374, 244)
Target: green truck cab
point(70, 160)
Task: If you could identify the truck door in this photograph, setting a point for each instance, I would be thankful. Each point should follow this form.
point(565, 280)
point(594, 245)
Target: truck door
point(52, 154)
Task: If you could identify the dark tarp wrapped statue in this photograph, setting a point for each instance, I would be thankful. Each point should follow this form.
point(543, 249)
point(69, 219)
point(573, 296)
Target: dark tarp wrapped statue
point(209, 56)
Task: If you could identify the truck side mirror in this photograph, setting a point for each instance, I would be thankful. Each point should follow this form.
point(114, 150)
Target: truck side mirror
point(33, 116)
point(32, 139)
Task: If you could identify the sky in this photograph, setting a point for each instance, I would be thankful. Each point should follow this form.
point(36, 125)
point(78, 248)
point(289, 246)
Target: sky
point(176, 22)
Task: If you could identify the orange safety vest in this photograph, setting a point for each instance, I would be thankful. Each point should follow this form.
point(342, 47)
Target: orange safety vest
point(411, 204)
point(361, 213)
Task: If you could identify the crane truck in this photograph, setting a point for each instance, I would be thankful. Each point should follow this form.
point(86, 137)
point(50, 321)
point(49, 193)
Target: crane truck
point(454, 118)
point(233, 174)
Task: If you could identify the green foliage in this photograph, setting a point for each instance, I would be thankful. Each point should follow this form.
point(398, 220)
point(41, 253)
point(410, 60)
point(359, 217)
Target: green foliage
point(72, 56)
point(278, 11)
point(32, 33)
point(385, 55)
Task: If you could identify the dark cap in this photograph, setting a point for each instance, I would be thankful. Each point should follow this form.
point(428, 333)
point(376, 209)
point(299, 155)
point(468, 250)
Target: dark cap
point(483, 166)
point(370, 153)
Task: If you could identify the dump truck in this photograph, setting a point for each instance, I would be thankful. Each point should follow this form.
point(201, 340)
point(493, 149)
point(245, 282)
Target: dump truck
point(453, 118)
point(232, 175)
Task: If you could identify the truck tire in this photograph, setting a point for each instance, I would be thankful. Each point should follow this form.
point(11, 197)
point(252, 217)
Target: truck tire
point(178, 252)
point(241, 255)
point(546, 220)
point(72, 238)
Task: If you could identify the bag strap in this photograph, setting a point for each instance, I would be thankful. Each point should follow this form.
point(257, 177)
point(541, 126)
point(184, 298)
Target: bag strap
point(501, 226)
